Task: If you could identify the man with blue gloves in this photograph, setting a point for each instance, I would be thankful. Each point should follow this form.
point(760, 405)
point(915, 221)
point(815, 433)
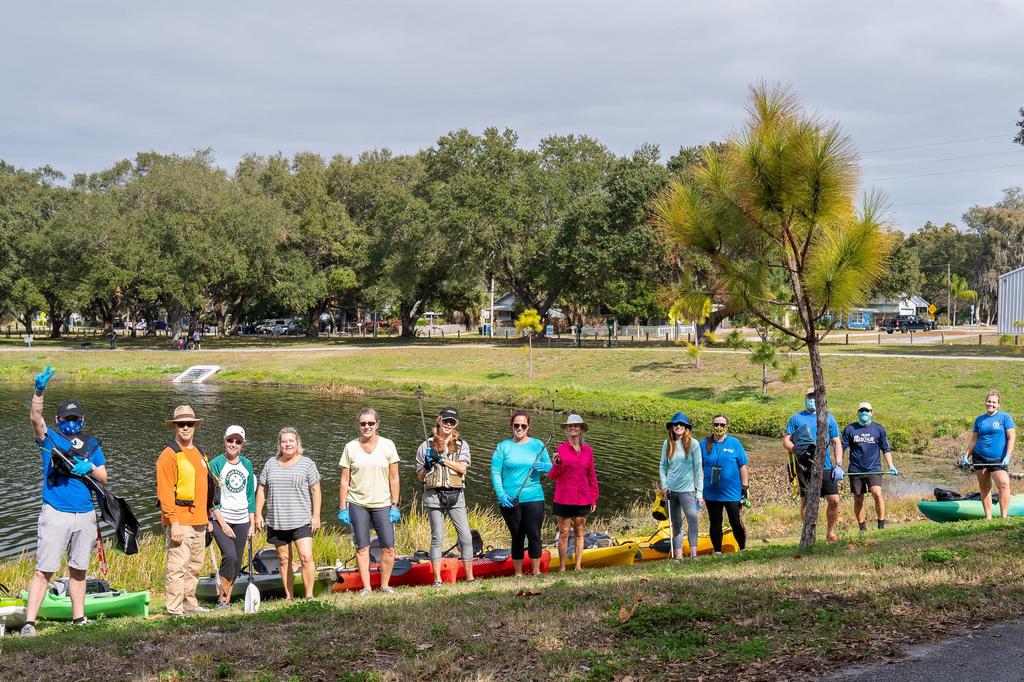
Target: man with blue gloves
point(867, 441)
point(831, 475)
point(67, 521)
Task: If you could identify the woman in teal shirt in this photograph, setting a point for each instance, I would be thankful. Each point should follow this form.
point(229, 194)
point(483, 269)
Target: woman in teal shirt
point(682, 482)
point(516, 467)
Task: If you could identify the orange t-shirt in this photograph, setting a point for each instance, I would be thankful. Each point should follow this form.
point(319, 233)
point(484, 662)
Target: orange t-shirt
point(187, 482)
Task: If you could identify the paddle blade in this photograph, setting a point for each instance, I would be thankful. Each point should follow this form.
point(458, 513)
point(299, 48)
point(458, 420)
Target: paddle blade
point(252, 598)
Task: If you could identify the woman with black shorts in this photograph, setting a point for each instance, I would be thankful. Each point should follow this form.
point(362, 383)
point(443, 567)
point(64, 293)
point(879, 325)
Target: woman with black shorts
point(368, 495)
point(290, 488)
point(575, 488)
point(516, 467)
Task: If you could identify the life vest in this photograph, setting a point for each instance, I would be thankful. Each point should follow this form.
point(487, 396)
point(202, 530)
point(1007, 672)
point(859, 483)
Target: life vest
point(441, 476)
point(185, 486)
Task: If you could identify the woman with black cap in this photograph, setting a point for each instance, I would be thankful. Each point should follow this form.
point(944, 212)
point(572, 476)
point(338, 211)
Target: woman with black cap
point(441, 463)
point(682, 482)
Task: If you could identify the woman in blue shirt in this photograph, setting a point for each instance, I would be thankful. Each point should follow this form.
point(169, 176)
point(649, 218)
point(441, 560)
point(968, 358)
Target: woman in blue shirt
point(725, 481)
point(516, 467)
point(682, 482)
point(990, 449)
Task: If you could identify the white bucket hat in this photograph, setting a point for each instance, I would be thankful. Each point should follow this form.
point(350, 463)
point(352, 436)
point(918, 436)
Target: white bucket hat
point(575, 420)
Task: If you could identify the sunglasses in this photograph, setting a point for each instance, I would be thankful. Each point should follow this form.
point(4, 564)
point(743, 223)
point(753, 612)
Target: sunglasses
point(680, 426)
point(234, 441)
point(719, 424)
point(517, 427)
point(450, 422)
point(365, 424)
point(71, 419)
point(184, 425)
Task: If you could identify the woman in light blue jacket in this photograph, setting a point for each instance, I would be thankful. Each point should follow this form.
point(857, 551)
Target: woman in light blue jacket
point(682, 482)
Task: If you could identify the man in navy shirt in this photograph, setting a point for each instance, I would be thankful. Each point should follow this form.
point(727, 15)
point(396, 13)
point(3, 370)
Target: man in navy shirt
point(867, 442)
point(67, 520)
point(832, 474)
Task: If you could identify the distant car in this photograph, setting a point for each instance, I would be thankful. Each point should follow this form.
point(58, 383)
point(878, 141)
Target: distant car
point(295, 329)
point(906, 323)
point(279, 329)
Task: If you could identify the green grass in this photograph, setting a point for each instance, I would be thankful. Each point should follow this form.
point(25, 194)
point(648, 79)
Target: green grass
point(745, 616)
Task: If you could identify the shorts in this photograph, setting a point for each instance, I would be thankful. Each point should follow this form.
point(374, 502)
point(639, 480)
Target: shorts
point(860, 485)
point(1001, 467)
point(283, 537)
point(566, 511)
point(59, 532)
point(828, 486)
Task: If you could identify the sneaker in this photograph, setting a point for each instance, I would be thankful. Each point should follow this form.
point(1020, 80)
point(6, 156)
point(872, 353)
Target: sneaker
point(222, 605)
point(862, 526)
point(388, 590)
point(365, 592)
point(198, 609)
point(438, 583)
point(881, 524)
point(28, 630)
point(83, 621)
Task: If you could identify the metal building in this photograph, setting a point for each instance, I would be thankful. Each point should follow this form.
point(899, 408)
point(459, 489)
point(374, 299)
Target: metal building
point(1011, 302)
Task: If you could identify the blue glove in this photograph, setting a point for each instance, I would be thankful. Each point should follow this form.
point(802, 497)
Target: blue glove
point(893, 471)
point(345, 517)
point(838, 474)
point(541, 467)
point(396, 515)
point(82, 467)
point(43, 378)
point(505, 501)
point(434, 457)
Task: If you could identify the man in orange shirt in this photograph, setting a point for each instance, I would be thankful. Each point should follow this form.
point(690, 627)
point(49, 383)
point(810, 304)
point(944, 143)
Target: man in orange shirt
point(182, 486)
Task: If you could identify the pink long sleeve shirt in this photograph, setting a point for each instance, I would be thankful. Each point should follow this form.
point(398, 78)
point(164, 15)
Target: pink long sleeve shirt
point(574, 477)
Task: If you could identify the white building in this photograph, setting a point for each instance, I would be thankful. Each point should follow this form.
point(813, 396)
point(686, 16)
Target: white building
point(1011, 302)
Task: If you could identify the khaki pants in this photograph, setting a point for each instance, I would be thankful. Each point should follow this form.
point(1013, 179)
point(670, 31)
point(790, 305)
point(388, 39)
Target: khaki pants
point(184, 562)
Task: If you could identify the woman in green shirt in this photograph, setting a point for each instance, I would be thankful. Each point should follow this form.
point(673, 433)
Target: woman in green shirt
point(233, 517)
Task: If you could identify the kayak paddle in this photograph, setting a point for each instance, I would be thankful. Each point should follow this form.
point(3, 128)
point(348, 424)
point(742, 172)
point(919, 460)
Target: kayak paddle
point(252, 593)
point(216, 574)
point(114, 510)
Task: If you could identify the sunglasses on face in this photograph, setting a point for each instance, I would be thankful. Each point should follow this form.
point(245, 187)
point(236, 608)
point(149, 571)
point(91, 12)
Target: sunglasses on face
point(365, 424)
point(185, 425)
point(719, 424)
point(679, 426)
point(517, 427)
point(450, 422)
point(71, 419)
point(234, 441)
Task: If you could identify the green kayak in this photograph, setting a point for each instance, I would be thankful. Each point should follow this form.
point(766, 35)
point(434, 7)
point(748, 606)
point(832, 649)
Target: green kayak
point(965, 510)
point(114, 603)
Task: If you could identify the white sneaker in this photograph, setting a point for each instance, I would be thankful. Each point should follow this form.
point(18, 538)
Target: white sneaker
point(28, 630)
point(365, 592)
point(388, 590)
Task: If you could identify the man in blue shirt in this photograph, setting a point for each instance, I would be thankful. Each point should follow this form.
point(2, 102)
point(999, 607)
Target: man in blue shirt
point(867, 442)
point(832, 474)
point(67, 520)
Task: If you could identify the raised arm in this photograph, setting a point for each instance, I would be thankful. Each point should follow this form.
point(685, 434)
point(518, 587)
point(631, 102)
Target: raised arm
point(35, 413)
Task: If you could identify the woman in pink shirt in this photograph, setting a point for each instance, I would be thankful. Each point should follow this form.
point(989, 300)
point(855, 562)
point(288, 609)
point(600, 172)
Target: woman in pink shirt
point(575, 487)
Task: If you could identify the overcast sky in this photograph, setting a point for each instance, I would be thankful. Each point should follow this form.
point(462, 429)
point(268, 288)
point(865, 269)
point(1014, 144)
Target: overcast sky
point(88, 83)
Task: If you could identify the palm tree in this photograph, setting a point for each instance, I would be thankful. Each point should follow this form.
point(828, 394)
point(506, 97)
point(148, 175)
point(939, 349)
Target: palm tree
point(779, 198)
point(958, 291)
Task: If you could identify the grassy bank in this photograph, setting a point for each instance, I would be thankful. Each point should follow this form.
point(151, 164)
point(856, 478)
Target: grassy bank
point(761, 615)
point(920, 400)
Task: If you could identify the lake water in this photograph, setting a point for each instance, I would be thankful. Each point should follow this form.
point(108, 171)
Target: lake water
point(129, 418)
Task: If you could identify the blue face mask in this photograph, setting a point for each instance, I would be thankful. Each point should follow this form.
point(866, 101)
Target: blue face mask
point(811, 405)
point(864, 418)
point(70, 428)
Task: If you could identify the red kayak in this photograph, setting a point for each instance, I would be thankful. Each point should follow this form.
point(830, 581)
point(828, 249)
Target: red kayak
point(497, 564)
point(406, 572)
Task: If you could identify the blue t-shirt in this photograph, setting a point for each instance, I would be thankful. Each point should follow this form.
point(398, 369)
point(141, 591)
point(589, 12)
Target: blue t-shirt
point(810, 420)
point(67, 494)
point(730, 456)
point(991, 430)
point(866, 444)
point(512, 463)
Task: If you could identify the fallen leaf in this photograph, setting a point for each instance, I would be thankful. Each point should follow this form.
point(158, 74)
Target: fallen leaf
point(424, 647)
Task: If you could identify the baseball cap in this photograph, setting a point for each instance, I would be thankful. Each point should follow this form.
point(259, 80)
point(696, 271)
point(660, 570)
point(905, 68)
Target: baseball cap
point(809, 391)
point(234, 430)
point(865, 406)
point(449, 413)
point(69, 408)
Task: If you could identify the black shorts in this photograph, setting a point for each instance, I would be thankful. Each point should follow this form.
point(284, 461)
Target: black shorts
point(1001, 467)
point(860, 485)
point(283, 537)
point(566, 511)
point(828, 486)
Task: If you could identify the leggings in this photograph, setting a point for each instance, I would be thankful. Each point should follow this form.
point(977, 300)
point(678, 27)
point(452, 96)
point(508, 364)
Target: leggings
point(523, 523)
point(231, 551)
point(379, 518)
point(461, 522)
point(684, 503)
point(715, 516)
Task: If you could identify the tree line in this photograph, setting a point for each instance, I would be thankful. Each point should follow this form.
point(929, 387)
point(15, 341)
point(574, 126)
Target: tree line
point(566, 224)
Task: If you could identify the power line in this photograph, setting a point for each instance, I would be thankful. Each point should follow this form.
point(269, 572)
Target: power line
point(948, 158)
point(952, 172)
point(1007, 136)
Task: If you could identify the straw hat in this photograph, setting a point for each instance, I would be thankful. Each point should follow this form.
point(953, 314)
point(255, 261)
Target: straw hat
point(183, 413)
point(575, 420)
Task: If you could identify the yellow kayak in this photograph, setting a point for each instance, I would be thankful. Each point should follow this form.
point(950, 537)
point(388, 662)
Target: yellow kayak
point(656, 546)
point(622, 554)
